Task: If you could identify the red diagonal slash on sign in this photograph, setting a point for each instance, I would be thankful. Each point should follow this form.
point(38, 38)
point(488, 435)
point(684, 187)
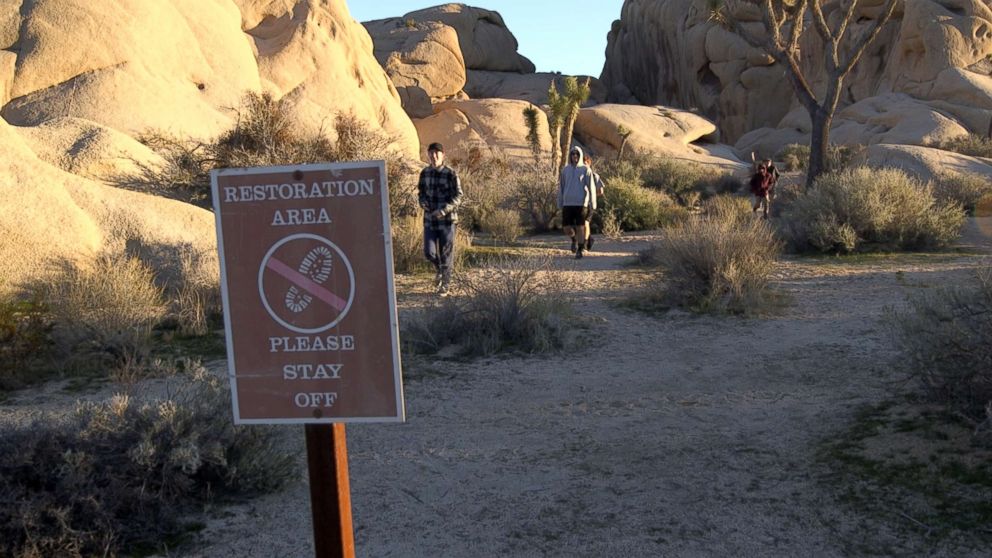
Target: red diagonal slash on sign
point(306, 284)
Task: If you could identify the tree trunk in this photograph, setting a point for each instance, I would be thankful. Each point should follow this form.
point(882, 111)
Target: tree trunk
point(819, 140)
point(623, 144)
point(556, 157)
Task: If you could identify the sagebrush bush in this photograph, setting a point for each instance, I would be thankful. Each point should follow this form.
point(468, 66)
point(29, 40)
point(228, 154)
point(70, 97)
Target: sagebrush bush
point(966, 189)
point(795, 157)
point(973, 145)
point(509, 305)
point(124, 474)
point(869, 209)
point(638, 208)
point(106, 308)
point(728, 208)
point(536, 192)
point(503, 224)
point(945, 341)
point(721, 263)
point(684, 181)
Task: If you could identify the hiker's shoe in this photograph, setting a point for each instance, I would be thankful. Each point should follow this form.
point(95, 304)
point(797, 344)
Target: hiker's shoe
point(443, 291)
point(575, 245)
point(438, 279)
point(589, 243)
point(578, 254)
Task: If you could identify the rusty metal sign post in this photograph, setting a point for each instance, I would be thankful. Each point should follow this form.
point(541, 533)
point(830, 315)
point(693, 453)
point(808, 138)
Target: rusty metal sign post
point(310, 314)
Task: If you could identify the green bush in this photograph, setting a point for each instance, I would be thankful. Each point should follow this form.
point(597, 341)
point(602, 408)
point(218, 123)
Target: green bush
point(865, 209)
point(973, 145)
point(729, 208)
point(123, 475)
point(945, 341)
point(721, 263)
point(966, 189)
point(636, 208)
point(684, 181)
point(25, 339)
point(509, 305)
point(503, 225)
point(536, 192)
point(795, 157)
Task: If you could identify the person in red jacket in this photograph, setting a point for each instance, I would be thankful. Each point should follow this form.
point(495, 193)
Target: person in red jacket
point(761, 186)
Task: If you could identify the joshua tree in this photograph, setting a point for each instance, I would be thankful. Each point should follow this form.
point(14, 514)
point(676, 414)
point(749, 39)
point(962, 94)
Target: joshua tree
point(784, 23)
point(563, 110)
point(624, 133)
point(530, 119)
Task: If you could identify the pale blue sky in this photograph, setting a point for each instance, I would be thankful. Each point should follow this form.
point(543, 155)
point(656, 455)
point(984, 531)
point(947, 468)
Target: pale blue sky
point(557, 36)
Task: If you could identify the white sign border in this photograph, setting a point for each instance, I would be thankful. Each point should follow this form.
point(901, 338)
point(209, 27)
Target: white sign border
point(400, 415)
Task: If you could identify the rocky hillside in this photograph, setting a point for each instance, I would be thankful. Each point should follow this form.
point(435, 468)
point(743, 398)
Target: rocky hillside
point(926, 77)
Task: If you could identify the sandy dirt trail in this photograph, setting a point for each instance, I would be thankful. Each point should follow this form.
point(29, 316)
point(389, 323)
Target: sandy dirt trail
point(671, 435)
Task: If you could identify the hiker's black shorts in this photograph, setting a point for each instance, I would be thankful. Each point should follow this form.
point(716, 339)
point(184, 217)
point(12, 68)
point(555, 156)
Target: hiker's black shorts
point(574, 215)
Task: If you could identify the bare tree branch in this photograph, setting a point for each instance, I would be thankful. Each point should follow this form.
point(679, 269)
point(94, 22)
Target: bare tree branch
point(797, 26)
point(821, 23)
point(842, 26)
point(867, 38)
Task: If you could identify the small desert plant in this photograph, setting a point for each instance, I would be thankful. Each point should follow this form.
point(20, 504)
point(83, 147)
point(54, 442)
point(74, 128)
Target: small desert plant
point(484, 191)
point(729, 208)
point(25, 338)
point(721, 263)
point(684, 181)
point(408, 244)
point(966, 189)
point(610, 227)
point(944, 338)
point(503, 224)
point(973, 145)
point(125, 474)
point(107, 307)
point(869, 209)
point(536, 192)
point(509, 305)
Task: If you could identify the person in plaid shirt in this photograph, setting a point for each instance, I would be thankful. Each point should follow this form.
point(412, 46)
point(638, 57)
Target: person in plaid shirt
point(439, 192)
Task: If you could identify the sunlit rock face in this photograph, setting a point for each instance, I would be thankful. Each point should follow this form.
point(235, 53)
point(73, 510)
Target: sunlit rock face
point(81, 79)
point(671, 52)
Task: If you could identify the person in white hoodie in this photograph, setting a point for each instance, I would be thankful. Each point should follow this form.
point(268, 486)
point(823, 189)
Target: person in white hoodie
point(576, 198)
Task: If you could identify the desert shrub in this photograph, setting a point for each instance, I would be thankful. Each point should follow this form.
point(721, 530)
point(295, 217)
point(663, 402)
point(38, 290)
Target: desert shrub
point(973, 145)
point(484, 192)
point(25, 339)
point(123, 474)
point(684, 181)
point(966, 189)
point(869, 209)
point(503, 224)
point(718, 263)
point(637, 208)
point(795, 157)
point(267, 133)
point(944, 337)
point(106, 308)
point(536, 193)
point(610, 225)
point(728, 208)
point(509, 305)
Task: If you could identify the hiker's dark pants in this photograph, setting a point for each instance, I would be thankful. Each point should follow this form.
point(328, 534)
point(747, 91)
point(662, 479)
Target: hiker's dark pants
point(439, 245)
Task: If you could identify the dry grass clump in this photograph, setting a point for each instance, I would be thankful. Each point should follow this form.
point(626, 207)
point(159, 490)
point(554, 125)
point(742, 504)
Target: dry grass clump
point(536, 194)
point(945, 341)
point(503, 224)
point(119, 477)
point(105, 311)
point(866, 209)
point(970, 191)
point(717, 262)
point(973, 145)
point(509, 305)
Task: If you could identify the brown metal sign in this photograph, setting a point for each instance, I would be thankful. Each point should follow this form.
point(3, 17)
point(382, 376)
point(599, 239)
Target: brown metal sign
point(307, 282)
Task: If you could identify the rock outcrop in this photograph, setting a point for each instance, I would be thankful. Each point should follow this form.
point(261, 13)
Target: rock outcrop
point(81, 78)
point(532, 88)
point(658, 130)
point(482, 127)
point(924, 162)
point(670, 52)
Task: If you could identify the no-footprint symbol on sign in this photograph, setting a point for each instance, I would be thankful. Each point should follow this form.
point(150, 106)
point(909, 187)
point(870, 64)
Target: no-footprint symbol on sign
point(306, 283)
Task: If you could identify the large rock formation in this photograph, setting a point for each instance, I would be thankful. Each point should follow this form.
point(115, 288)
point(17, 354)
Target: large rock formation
point(181, 66)
point(923, 162)
point(532, 88)
point(657, 130)
point(484, 127)
point(81, 78)
point(670, 52)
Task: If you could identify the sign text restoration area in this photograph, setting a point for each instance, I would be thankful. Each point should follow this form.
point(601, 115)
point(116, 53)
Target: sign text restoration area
point(307, 281)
